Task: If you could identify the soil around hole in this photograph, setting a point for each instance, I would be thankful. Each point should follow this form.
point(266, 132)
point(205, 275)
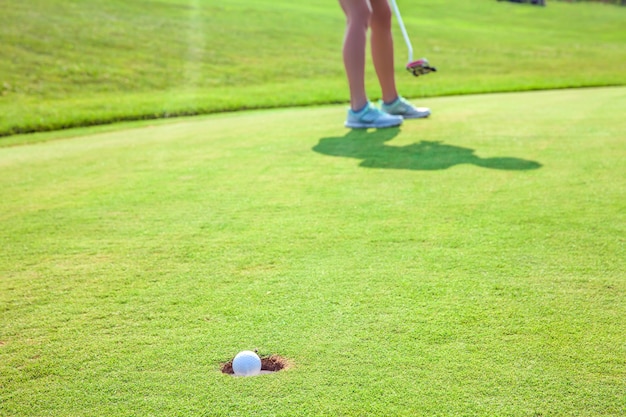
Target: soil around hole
point(269, 364)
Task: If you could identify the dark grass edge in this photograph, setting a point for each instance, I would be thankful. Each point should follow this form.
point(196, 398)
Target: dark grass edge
point(103, 121)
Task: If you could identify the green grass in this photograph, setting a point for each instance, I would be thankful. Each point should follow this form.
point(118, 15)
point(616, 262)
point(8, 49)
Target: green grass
point(67, 63)
point(466, 265)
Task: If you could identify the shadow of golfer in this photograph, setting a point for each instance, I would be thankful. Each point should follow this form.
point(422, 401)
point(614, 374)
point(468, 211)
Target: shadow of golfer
point(370, 147)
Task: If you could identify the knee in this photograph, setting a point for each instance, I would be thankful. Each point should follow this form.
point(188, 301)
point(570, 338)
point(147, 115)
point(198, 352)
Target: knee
point(380, 19)
point(359, 17)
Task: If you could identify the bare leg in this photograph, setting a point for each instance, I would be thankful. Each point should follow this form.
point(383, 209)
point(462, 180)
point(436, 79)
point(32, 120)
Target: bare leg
point(382, 48)
point(358, 13)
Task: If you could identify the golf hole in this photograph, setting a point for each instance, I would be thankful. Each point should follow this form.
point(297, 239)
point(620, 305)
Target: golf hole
point(269, 365)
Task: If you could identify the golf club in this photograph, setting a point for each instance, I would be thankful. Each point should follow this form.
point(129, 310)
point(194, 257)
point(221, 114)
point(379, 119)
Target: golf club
point(421, 66)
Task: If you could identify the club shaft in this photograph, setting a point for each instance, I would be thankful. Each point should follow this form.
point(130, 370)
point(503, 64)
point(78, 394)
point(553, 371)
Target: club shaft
point(403, 29)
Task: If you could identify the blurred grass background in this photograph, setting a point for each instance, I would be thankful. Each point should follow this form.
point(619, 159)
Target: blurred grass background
point(66, 63)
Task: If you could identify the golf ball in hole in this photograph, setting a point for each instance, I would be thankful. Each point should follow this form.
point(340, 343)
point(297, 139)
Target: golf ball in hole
point(247, 363)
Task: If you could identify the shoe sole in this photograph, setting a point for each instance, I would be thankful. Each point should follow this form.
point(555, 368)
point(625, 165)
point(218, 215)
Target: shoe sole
point(353, 125)
point(417, 116)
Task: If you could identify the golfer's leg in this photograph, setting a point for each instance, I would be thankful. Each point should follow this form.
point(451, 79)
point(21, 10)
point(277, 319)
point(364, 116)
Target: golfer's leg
point(358, 14)
point(382, 48)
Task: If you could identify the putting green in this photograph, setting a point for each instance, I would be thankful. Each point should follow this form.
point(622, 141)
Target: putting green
point(468, 264)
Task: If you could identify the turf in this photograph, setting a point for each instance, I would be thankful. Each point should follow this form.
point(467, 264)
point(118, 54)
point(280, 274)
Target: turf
point(67, 63)
point(470, 264)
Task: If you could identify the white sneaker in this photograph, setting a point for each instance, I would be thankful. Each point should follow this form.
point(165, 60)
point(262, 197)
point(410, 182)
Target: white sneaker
point(402, 107)
point(371, 117)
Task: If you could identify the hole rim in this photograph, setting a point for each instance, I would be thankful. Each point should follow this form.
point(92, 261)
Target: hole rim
point(269, 364)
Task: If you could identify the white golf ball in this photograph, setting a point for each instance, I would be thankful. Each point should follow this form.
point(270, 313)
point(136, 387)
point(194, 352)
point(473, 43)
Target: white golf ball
point(247, 363)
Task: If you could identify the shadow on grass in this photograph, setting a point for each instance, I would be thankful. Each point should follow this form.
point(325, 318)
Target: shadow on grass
point(369, 145)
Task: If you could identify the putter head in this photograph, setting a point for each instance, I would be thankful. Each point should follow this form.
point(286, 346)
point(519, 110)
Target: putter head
point(420, 67)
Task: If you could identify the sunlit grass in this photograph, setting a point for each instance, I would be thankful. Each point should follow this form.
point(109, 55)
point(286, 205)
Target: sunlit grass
point(470, 264)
